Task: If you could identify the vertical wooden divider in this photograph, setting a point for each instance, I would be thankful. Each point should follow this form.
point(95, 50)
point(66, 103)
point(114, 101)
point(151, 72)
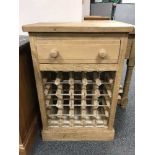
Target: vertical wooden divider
point(71, 98)
point(59, 93)
point(83, 98)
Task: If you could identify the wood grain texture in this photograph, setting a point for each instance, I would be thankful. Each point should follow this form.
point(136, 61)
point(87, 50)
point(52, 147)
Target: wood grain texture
point(69, 51)
point(117, 81)
point(132, 54)
point(130, 67)
point(78, 67)
point(28, 102)
point(124, 100)
point(129, 46)
point(43, 38)
point(76, 134)
point(38, 79)
point(96, 18)
point(25, 146)
point(85, 26)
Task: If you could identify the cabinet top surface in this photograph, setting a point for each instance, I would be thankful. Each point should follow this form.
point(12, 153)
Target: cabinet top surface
point(85, 26)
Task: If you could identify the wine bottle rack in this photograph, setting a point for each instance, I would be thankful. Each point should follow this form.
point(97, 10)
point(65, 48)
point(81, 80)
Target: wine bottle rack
point(78, 99)
point(78, 69)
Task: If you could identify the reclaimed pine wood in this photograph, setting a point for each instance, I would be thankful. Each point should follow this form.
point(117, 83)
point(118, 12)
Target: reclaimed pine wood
point(69, 51)
point(117, 80)
point(78, 67)
point(115, 33)
point(130, 67)
point(85, 26)
point(39, 83)
point(78, 134)
point(96, 18)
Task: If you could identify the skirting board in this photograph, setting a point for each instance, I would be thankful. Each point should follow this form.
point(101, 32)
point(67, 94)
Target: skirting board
point(78, 134)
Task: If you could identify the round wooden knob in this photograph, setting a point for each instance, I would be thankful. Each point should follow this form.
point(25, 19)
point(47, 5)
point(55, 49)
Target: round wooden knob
point(54, 53)
point(102, 53)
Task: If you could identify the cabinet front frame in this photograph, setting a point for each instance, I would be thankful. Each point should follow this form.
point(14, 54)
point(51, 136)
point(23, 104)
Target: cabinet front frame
point(38, 67)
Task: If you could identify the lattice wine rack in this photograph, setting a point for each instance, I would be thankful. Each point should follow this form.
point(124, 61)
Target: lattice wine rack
point(78, 99)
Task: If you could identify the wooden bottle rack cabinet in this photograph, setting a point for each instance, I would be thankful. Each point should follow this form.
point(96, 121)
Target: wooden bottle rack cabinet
point(78, 68)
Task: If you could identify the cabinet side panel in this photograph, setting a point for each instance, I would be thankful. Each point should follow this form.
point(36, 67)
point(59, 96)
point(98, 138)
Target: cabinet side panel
point(38, 79)
point(123, 47)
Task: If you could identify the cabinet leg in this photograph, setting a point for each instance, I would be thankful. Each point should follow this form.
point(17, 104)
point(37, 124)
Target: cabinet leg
point(124, 100)
point(130, 66)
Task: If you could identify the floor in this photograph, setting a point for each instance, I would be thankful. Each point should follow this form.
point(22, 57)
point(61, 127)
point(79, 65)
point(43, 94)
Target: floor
point(123, 144)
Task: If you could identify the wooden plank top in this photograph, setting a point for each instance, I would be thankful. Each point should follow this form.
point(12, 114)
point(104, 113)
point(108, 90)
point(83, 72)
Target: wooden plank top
point(85, 26)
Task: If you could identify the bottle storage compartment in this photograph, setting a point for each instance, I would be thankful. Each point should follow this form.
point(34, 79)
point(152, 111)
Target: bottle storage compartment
point(78, 99)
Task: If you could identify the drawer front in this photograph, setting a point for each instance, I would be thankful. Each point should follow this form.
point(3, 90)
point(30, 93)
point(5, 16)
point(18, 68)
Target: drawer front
point(79, 51)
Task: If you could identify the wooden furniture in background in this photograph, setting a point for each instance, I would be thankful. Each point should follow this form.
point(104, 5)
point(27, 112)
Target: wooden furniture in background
point(28, 100)
point(96, 18)
point(67, 57)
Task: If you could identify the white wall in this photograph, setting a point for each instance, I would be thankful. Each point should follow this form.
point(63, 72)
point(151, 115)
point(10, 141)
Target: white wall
point(32, 11)
point(86, 7)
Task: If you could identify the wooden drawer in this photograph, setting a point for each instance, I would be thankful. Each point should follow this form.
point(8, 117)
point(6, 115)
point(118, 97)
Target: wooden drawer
point(79, 51)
